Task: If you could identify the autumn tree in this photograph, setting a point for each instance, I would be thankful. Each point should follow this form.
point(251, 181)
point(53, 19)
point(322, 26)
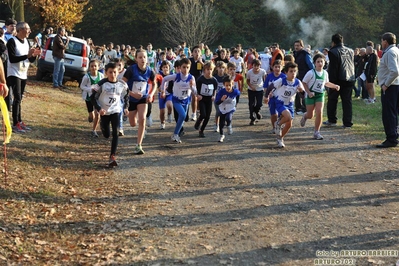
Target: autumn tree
point(61, 13)
point(192, 21)
point(17, 8)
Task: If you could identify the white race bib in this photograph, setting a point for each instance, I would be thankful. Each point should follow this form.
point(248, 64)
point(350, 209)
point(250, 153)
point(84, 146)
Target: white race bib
point(207, 90)
point(182, 91)
point(139, 87)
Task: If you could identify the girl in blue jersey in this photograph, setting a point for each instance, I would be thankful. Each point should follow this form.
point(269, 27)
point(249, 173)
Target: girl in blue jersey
point(137, 77)
point(183, 87)
point(285, 91)
point(88, 80)
point(106, 98)
point(275, 75)
point(226, 99)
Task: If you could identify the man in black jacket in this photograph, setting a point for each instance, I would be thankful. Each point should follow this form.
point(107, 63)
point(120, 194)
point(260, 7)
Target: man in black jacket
point(341, 71)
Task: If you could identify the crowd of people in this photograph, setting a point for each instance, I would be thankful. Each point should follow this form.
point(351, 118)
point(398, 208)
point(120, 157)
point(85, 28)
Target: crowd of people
point(122, 82)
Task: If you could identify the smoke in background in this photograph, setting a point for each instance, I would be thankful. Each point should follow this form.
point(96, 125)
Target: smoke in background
point(283, 7)
point(314, 30)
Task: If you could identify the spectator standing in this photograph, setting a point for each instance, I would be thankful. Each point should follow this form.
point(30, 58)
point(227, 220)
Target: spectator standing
point(388, 78)
point(20, 55)
point(265, 59)
point(59, 47)
point(304, 61)
point(370, 72)
point(341, 71)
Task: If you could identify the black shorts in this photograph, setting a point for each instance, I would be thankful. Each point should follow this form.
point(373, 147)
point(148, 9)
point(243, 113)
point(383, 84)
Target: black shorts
point(90, 107)
point(133, 105)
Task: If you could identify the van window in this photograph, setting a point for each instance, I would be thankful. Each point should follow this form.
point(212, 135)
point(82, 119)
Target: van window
point(74, 48)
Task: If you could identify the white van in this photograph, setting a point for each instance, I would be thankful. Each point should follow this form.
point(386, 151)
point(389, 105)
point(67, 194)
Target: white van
point(76, 59)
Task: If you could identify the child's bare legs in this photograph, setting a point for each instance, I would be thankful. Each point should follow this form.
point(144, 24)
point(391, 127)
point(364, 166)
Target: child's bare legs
point(285, 119)
point(273, 119)
point(96, 119)
point(162, 115)
point(169, 106)
point(133, 118)
point(319, 111)
point(141, 113)
point(194, 107)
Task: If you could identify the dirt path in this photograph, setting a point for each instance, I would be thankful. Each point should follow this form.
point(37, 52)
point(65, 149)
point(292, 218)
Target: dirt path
point(247, 202)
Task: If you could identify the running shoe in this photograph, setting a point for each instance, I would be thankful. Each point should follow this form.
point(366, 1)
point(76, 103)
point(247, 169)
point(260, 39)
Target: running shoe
point(169, 118)
point(201, 134)
point(252, 123)
point(18, 129)
point(138, 150)
point(194, 117)
point(149, 121)
point(216, 128)
point(230, 129)
point(176, 138)
point(121, 133)
point(329, 124)
point(24, 127)
point(303, 120)
point(162, 126)
point(317, 135)
point(258, 116)
point(221, 139)
point(277, 128)
point(90, 119)
point(112, 162)
point(197, 124)
point(280, 143)
point(94, 134)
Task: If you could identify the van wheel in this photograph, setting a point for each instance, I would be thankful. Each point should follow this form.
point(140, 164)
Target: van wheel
point(39, 74)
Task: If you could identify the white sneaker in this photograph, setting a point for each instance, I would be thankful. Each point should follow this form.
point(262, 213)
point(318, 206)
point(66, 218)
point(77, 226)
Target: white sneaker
point(169, 118)
point(280, 143)
point(149, 121)
point(194, 117)
point(221, 139)
point(162, 126)
point(176, 138)
point(317, 135)
point(299, 113)
point(303, 120)
point(216, 128)
point(277, 128)
point(230, 129)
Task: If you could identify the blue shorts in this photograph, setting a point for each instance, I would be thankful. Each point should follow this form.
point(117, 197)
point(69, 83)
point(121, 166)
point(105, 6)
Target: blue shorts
point(280, 107)
point(272, 106)
point(162, 102)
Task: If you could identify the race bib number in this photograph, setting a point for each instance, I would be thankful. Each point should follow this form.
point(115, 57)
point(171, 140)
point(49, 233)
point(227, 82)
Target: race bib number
point(318, 86)
point(199, 66)
point(227, 105)
point(23, 66)
point(139, 87)
point(183, 91)
point(207, 90)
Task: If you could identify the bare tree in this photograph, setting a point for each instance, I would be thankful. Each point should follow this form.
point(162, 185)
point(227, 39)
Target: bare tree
point(17, 8)
point(192, 21)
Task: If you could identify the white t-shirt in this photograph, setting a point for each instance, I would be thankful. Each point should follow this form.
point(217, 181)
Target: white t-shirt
point(265, 61)
point(256, 79)
point(109, 55)
point(238, 62)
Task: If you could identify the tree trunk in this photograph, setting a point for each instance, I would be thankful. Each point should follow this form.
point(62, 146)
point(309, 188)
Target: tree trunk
point(19, 10)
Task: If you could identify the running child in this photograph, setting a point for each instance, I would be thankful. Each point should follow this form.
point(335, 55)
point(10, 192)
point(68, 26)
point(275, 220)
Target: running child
point(100, 58)
point(106, 98)
point(268, 86)
point(285, 91)
point(206, 86)
point(237, 77)
point(255, 79)
point(226, 101)
point(314, 83)
point(238, 61)
point(219, 73)
point(137, 77)
point(165, 103)
point(88, 81)
point(183, 88)
point(121, 72)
